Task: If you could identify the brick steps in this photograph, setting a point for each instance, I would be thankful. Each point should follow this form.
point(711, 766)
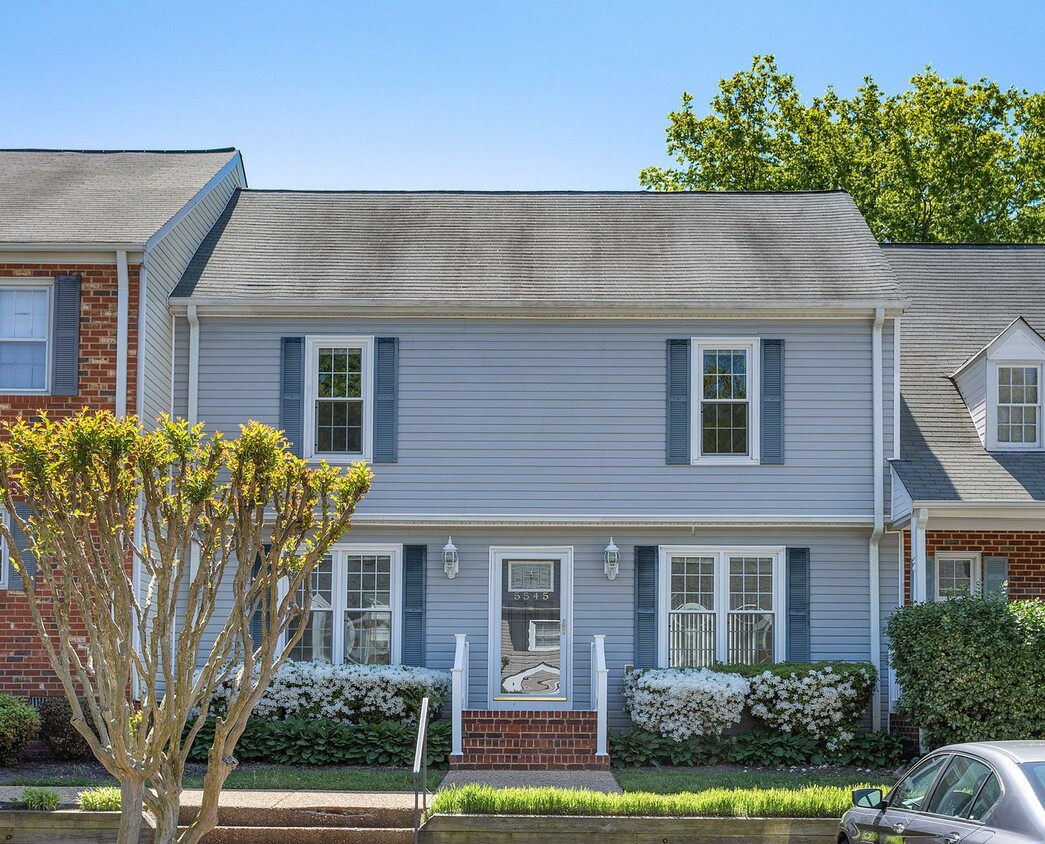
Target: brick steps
point(529, 740)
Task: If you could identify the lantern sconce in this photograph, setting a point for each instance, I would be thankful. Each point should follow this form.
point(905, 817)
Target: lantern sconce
point(450, 558)
point(612, 567)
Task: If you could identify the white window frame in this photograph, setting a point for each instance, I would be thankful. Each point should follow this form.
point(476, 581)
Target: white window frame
point(339, 583)
point(753, 347)
point(312, 347)
point(722, 553)
point(992, 405)
point(47, 285)
point(975, 570)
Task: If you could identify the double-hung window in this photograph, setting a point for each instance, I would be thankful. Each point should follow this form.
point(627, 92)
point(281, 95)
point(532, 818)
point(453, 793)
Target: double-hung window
point(355, 612)
point(720, 605)
point(726, 425)
point(25, 322)
point(338, 400)
point(1018, 406)
point(957, 574)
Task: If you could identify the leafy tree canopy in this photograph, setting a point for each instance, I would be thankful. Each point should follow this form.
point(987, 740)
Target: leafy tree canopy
point(946, 161)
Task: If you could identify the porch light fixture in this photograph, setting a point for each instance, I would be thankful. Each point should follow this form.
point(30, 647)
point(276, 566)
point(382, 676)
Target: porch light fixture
point(450, 558)
point(612, 567)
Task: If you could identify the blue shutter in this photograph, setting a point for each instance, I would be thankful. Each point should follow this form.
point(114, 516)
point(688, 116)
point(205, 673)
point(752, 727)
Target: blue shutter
point(678, 416)
point(996, 576)
point(798, 604)
point(772, 415)
point(257, 621)
point(930, 578)
point(22, 544)
point(291, 391)
point(415, 559)
point(386, 399)
point(65, 352)
point(646, 559)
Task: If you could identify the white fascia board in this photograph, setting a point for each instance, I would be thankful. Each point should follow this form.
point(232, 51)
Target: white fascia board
point(259, 307)
point(997, 509)
point(70, 246)
point(548, 520)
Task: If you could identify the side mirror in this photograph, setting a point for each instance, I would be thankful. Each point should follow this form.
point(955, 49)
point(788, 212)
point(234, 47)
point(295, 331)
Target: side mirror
point(867, 798)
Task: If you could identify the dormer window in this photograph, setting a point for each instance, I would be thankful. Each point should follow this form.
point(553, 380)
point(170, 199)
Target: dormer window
point(1019, 406)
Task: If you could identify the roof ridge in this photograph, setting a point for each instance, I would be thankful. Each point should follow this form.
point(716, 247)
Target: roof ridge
point(116, 151)
point(466, 192)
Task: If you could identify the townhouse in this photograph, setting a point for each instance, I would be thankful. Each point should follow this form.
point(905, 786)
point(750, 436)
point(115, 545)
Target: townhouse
point(87, 240)
point(648, 429)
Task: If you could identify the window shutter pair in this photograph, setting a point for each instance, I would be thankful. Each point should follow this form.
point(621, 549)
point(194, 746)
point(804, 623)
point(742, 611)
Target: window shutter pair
point(771, 397)
point(14, 581)
point(995, 577)
point(647, 635)
point(385, 398)
point(65, 329)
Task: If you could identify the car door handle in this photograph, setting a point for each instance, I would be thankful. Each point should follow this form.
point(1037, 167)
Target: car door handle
point(953, 838)
point(898, 828)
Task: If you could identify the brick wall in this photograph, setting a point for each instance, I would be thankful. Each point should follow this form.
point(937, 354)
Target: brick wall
point(531, 740)
point(1025, 550)
point(24, 669)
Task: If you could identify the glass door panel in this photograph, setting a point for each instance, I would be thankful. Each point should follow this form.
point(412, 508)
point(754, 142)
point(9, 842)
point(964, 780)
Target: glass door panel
point(531, 629)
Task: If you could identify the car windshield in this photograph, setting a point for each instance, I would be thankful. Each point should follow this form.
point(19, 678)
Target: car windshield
point(1035, 772)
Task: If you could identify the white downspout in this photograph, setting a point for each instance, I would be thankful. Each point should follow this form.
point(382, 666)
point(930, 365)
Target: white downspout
point(194, 365)
point(878, 437)
point(123, 300)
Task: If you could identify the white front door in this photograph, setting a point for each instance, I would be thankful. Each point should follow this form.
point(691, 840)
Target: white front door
point(531, 620)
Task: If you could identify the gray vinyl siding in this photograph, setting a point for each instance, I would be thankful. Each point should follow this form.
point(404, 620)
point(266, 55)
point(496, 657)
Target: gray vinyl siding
point(839, 608)
point(181, 367)
point(972, 384)
point(164, 265)
point(567, 417)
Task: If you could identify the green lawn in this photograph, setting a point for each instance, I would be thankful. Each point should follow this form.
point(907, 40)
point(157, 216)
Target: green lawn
point(811, 801)
point(280, 777)
point(674, 781)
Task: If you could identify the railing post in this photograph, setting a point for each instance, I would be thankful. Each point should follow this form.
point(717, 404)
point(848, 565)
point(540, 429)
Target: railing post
point(459, 691)
point(601, 692)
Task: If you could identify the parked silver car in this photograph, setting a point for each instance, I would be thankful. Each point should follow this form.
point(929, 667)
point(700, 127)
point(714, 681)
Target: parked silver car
point(968, 793)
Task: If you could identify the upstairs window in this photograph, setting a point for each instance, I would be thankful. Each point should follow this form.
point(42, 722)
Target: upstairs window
point(1019, 407)
point(338, 401)
point(24, 337)
point(726, 429)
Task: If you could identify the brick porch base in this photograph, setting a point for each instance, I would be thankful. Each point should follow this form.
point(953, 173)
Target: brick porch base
point(529, 741)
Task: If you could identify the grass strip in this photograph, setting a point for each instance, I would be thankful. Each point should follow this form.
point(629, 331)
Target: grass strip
point(812, 801)
point(675, 780)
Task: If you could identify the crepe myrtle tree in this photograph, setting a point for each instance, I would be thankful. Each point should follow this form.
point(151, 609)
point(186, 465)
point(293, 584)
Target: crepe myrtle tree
point(201, 518)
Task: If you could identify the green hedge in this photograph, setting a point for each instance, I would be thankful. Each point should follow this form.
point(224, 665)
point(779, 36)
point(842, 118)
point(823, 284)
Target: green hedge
point(19, 725)
point(760, 748)
point(321, 741)
point(971, 669)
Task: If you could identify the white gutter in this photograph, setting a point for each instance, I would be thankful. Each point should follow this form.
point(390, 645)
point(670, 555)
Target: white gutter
point(123, 298)
point(60, 246)
point(194, 365)
point(878, 463)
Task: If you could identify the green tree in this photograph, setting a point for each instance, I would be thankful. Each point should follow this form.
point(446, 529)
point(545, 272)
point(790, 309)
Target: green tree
point(944, 161)
point(218, 530)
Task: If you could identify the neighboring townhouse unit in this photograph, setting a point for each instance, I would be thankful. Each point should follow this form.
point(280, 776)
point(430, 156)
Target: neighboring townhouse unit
point(969, 481)
point(84, 238)
point(662, 419)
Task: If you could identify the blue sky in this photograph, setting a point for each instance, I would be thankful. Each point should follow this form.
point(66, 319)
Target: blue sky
point(478, 95)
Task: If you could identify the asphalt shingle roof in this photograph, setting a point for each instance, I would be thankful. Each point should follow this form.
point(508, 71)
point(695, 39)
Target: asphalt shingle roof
point(543, 249)
point(57, 196)
point(961, 298)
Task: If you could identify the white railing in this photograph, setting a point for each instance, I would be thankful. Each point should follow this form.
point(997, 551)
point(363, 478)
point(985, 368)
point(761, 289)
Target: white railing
point(459, 693)
point(599, 686)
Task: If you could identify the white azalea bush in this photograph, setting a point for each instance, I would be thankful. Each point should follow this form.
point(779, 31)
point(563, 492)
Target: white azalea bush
point(683, 703)
point(348, 693)
point(822, 702)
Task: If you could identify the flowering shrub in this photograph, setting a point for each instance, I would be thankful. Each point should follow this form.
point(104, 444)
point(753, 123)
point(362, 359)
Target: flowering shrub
point(821, 702)
point(679, 704)
point(347, 693)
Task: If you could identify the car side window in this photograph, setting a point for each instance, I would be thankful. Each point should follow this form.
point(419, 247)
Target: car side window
point(910, 792)
point(959, 787)
point(985, 800)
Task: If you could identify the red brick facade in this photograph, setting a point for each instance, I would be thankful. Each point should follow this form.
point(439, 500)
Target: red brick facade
point(532, 740)
point(24, 669)
point(1025, 550)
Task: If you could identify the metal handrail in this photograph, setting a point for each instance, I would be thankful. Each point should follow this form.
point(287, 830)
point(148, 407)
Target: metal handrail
point(421, 769)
